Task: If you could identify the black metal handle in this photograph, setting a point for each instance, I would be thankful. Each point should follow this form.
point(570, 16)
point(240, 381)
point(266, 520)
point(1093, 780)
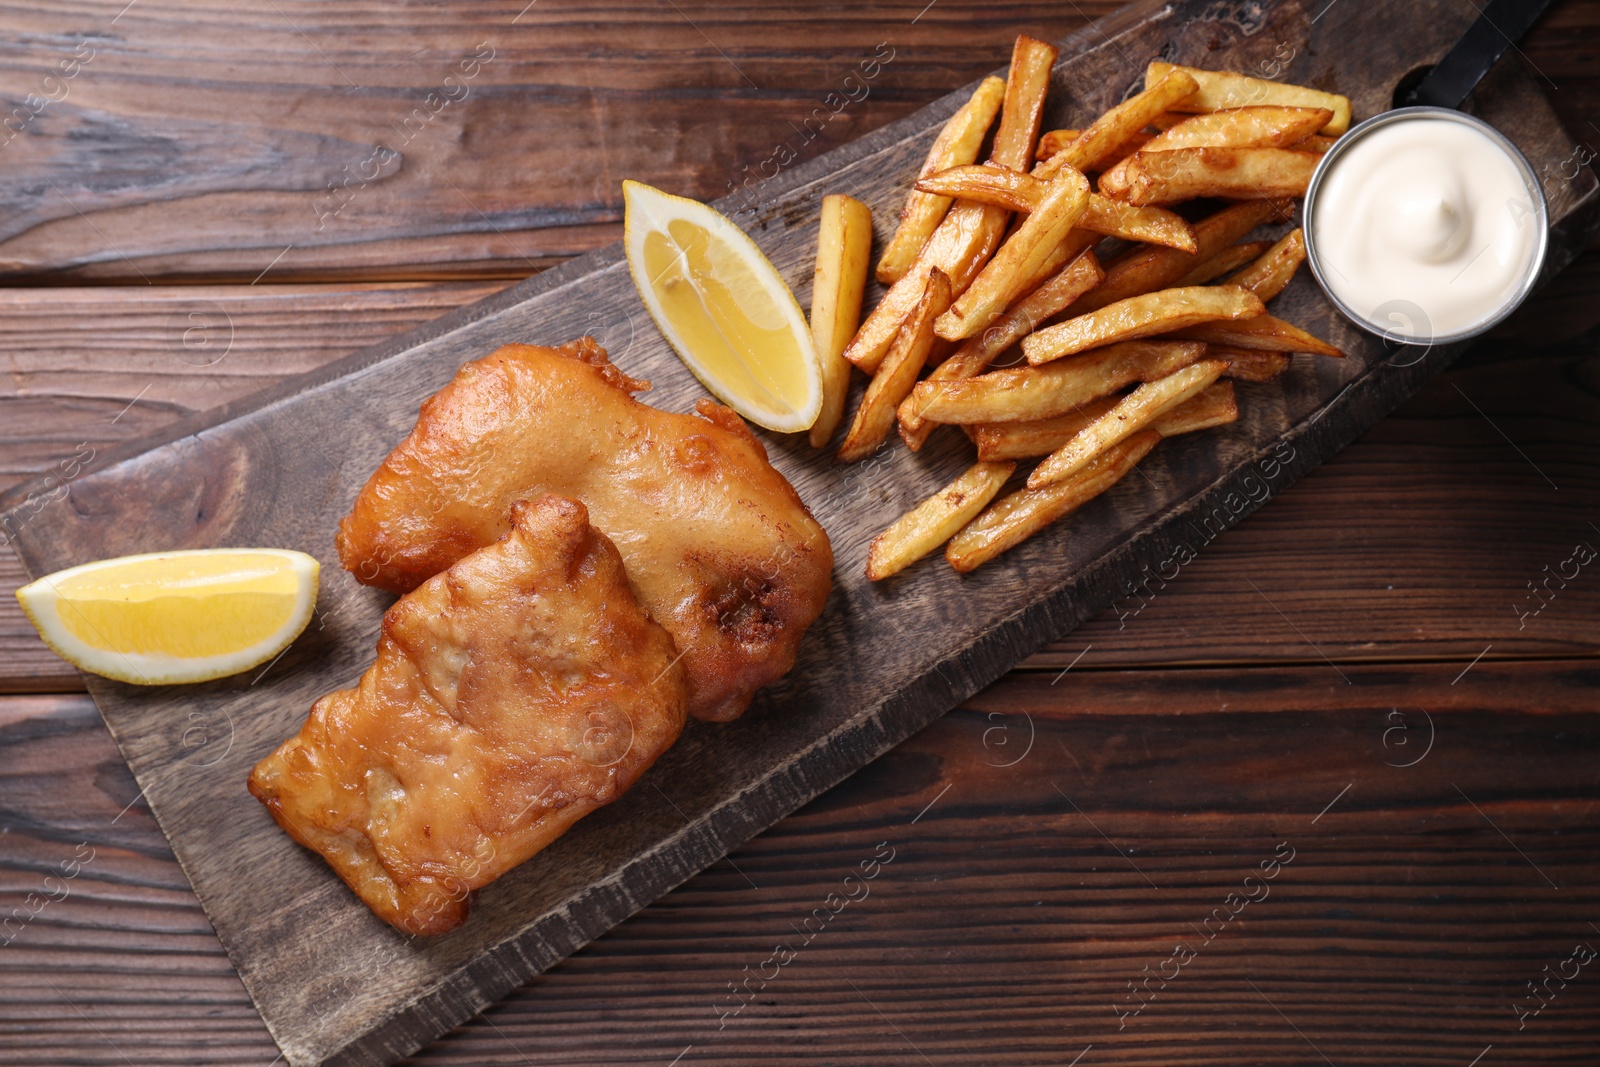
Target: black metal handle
point(1499, 26)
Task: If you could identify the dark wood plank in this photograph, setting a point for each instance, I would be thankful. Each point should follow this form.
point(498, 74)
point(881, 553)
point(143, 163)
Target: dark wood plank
point(511, 169)
point(863, 683)
point(1006, 927)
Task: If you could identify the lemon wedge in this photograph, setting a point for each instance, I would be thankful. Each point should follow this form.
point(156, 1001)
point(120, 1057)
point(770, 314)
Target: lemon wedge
point(168, 617)
point(721, 304)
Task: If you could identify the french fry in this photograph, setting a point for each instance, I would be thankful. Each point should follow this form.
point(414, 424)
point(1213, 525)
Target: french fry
point(1267, 276)
point(844, 248)
point(1250, 364)
point(957, 144)
point(1243, 127)
point(1053, 141)
point(1103, 215)
point(1015, 518)
point(1109, 132)
point(999, 441)
point(1239, 173)
point(1164, 311)
point(931, 523)
point(1132, 413)
point(974, 356)
point(1023, 394)
point(969, 233)
point(1219, 90)
point(1262, 332)
point(1229, 259)
point(1151, 225)
point(1144, 270)
point(897, 373)
point(1026, 84)
point(1260, 126)
point(959, 247)
point(1316, 143)
point(1215, 405)
point(1019, 260)
point(1107, 163)
point(1010, 189)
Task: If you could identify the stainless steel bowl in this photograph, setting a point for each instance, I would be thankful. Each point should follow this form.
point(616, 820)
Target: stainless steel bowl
point(1540, 218)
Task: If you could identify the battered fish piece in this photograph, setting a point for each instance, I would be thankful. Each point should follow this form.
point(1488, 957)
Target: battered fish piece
point(717, 544)
point(512, 695)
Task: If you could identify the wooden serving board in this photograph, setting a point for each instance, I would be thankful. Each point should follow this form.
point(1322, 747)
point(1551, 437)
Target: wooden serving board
point(336, 985)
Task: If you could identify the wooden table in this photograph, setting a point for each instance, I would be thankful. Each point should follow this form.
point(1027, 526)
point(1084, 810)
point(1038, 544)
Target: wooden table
point(1352, 692)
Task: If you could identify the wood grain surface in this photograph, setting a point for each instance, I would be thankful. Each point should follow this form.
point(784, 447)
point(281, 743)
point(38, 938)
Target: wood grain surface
point(331, 135)
point(139, 978)
point(1015, 910)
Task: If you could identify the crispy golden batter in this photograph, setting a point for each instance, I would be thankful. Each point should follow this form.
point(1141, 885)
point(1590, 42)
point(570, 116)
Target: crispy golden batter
point(512, 695)
point(717, 544)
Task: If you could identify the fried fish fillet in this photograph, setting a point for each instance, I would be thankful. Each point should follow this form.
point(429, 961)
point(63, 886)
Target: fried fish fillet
point(513, 694)
point(716, 542)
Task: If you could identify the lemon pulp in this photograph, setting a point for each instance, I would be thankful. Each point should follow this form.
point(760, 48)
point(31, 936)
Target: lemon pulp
point(179, 616)
point(716, 304)
point(723, 307)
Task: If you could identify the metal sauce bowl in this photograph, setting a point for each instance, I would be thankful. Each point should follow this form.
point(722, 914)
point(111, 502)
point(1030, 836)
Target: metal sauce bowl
point(1393, 311)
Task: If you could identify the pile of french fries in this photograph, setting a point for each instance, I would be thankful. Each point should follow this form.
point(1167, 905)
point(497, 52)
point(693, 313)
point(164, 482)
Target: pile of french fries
point(1115, 356)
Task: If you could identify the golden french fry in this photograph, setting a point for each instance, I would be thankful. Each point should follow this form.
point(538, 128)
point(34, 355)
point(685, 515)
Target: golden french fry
point(971, 359)
point(1010, 189)
point(1219, 90)
point(1242, 127)
point(1108, 133)
point(1229, 259)
point(1103, 215)
point(844, 248)
point(1013, 519)
point(1132, 413)
point(897, 374)
point(1215, 405)
point(934, 521)
point(1144, 270)
point(1261, 126)
point(957, 144)
point(1151, 225)
point(1267, 276)
point(1250, 364)
point(959, 247)
point(1023, 394)
point(1053, 141)
point(1316, 144)
point(1239, 173)
point(1026, 84)
point(969, 233)
point(998, 441)
point(1262, 332)
point(1163, 311)
point(1108, 163)
point(1019, 260)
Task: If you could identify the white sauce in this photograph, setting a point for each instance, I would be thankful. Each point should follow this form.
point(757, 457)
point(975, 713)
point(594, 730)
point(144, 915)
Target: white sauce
point(1428, 212)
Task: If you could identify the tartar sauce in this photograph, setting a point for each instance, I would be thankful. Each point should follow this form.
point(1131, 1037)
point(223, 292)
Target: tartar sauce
point(1427, 213)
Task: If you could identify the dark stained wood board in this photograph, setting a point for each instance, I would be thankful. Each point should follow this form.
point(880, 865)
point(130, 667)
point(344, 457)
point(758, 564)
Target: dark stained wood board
point(268, 106)
point(331, 981)
point(1005, 927)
